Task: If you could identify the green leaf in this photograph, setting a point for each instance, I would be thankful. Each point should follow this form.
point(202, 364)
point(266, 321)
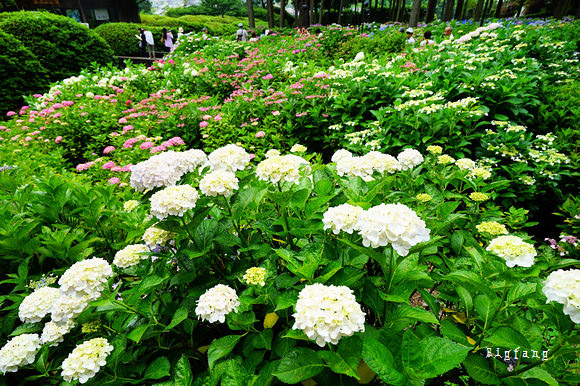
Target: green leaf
point(137, 333)
point(484, 308)
point(457, 241)
point(338, 364)
point(406, 311)
point(439, 355)
point(452, 331)
point(266, 375)
point(445, 209)
point(263, 339)
point(381, 361)
point(299, 199)
point(27, 328)
point(159, 368)
point(520, 290)
point(179, 316)
point(286, 299)
point(233, 373)
point(299, 364)
point(183, 375)
point(478, 368)
point(219, 348)
point(149, 282)
point(465, 297)
point(506, 337)
point(541, 374)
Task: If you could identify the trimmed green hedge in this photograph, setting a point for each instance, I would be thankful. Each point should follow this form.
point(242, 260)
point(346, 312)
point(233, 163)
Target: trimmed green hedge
point(63, 46)
point(22, 73)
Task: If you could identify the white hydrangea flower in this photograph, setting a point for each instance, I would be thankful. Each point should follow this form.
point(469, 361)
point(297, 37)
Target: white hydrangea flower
point(174, 201)
point(230, 157)
point(154, 236)
point(85, 361)
point(561, 285)
point(282, 168)
point(409, 158)
point(298, 148)
point(342, 218)
point(355, 167)
point(19, 351)
point(130, 205)
point(68, 307)
point(131, 255)
point(216, 303)
point(340, 154)
point(165, 169)
point(54, 333)
point(382, 162)
point(327, 313)
point(482, 173)
point(86, 277)
point(38, 304)
point(572, 310)
point(272, 152)
point(514, 250)
point(465, 164)
point(396, 224)
point(218, 182)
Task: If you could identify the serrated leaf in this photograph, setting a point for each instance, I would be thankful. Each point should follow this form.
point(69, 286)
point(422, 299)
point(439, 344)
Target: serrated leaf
point(159, 368)
point(221, 347)
point(299, 364)
point(286, 299)
point(478, 368)
point(380, 360)
point(137, 333)
point(484, 308)
point(520, 290)
point(406, 311)
point(179, 316)
point(452, 331)
point(337, 363)
point(506, 337)
point(183, 375)
point(439, 355)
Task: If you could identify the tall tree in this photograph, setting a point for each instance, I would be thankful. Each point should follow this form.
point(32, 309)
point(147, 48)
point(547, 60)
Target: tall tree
point(282, 13)
point(251, 20)
point(321, 13)
point(312, 12)
point(270, 6)
point(340, 12)
point(560, 8)
point(478, 9)
point(415, 13)
point(448, 15)
point(459, 10)
point(430, 14)
point(498, 9)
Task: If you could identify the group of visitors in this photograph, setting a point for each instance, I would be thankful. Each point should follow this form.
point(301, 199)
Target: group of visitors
point(243, 36)
point(426, 41)
point(147, 42)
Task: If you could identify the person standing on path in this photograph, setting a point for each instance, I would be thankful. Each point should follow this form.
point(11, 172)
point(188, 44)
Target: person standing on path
point(242, 34)
point(167, 40)
point(150, 43)
point(142, 42)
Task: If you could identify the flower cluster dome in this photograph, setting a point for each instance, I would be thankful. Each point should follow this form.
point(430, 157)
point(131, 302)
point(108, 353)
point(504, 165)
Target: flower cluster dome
point(230, 158)
point(131, 255)
point(86, 277)
point(85, 361)
point(409, 158)
point(514, 250)
point(342, 218)
point(394, 224)
point(282, 169)
point(564, 287)
point(38, 304)
point(19, 351)
point(173, 201)
point(54, 333)
point(327, 313)
point(218, 183)
point(255, 276)
point(154, 236)
point(216, 303)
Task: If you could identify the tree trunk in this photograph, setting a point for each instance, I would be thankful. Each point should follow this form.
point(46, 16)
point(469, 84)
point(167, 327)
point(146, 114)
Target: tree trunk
point(400, 6)
point(251, 20)
point(415, 13)
point(478, 9)
point(296, 14)
point(430, 14)
point(498, 9)
point(340, 12)
point(459, 10)
point(448, 10)
point(486, 5)
point(354, 15)
point(270, 14)
point(560, 8)
point(321, 12)
point(282, 12)
point(312, 12)
point(520, 6)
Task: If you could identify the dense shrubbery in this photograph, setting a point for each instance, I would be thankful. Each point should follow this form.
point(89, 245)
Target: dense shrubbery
point(62, 46)
point(411, 255)
point(22, 73)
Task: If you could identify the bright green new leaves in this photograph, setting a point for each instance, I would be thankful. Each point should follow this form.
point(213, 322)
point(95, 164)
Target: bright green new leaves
point(299, 364)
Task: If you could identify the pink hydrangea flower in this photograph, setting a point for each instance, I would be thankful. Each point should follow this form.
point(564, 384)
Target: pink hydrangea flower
point(147, 145)
point(114, 180)
point(10, 113)
point(260, 134)
point(122, 120)
point(157, 149)
point(268, 77)
point(218, 118)
point(206, 117)
point(252, 156)
point(275, 112)
point(58, 139)
point(108, 165)
point(108, 149)
point(203, 124)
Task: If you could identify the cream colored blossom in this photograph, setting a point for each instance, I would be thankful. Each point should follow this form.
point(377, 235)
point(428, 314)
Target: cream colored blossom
point(342, 218)
point(434, 149)
point(355, 167)
point(86, 277)
point(288, 168)
point(340, 154)
point(54, 333)
point(216, 303)
point(477, 196)
point(381, 162)
point(218, 183)
point(19, 351)
point(514, 250)
point(173, 201)
point(130, 205)
point(445, 159)
point(394, 224)
point(423, 197)
point(37, 305)
point(564, 287)
point(68, 307)
point(327, 313)
point(409, 158)
point(465, 164)
point(272, 152)
point(482, 173)
point(154, 236)
point(492, 228)
point(85, 361)
point(298, 149)
point(230, 158)
point(132, 254)
point(255, 276)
